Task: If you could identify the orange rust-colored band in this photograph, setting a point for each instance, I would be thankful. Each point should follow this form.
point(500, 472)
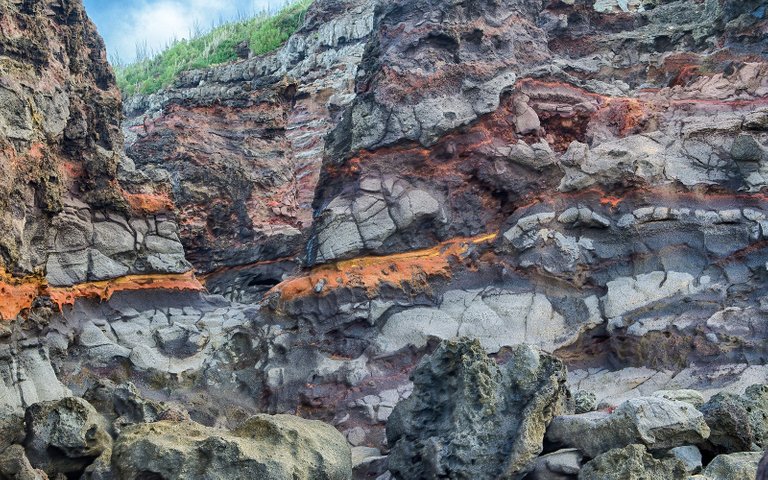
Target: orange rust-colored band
point(18, 294)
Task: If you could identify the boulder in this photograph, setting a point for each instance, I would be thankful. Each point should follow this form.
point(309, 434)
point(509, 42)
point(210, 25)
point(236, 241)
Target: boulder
point(368, 462)
point(469, 417)
point(762, 469)
point(560, 465)
point(738, 423)
point(65, 436)
point(756, 401)
point(264, 447)
point(11, 429)
point(728, 421)
point(632, 462)
point(734, 466)
point(654, 422)
point(689, 455)
point(122, 405)
point(15, 465)
point(584, 402)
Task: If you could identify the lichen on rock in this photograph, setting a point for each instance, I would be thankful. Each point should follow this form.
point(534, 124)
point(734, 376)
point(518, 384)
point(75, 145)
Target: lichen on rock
point(468, 416)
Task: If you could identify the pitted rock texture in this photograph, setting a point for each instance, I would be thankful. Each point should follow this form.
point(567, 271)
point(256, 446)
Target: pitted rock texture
point(468, 417)
point(65, 436)
point(736, 466)
point(738, 422)
point(264, 447)
point(632, 462)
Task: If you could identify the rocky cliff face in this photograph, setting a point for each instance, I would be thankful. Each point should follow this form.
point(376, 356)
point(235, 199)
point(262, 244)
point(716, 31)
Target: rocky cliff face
point(65, 220)
point(240, 147)
point(586, 177)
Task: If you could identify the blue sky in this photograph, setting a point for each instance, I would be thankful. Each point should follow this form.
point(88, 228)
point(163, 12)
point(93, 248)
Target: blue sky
point(124, 23)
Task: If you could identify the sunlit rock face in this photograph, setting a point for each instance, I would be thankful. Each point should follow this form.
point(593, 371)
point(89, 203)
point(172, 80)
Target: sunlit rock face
point(584, 177)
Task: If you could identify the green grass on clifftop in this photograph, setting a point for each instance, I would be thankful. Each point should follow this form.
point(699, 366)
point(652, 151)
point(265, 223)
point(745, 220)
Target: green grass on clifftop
point(264, 33)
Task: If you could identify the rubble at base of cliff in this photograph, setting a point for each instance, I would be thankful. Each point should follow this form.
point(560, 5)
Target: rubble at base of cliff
point(469, 415)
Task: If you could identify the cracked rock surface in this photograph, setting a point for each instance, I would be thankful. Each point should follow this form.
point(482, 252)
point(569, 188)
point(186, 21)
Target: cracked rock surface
point(297, 232)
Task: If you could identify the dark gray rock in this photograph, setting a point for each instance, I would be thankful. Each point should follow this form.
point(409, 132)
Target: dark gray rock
point(11, 430)
point(14, 465)
point(65, 436)
point(762, 469)
point(123, 405)
point(738, 423)
point(746, 149)
point(471, 418)
point(728, 421)
point(584, 402)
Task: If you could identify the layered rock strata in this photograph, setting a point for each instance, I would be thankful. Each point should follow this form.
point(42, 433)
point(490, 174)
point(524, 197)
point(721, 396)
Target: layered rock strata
point(65, 220)
point(584, 177)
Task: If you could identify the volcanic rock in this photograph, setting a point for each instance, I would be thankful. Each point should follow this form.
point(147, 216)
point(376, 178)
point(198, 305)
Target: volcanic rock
point(733, 466)
point(738, 422)
point(264, 447)
point(654, 422)
point(65, 436)
point(632, 462)
point(15, 465)
point(468, 416)
point(559, 465)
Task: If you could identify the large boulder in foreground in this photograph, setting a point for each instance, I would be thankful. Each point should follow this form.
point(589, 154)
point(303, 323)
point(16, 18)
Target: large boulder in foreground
point(469, 417)
point(267, 447)
point(651, 421)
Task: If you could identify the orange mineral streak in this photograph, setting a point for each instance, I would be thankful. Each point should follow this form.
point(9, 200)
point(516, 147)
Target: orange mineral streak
point(409, 269)
point(105, 289)
point(149, 203)
point(18, 294)
point(610, 201)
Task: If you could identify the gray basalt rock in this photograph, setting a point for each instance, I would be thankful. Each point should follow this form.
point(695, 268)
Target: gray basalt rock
point(738, 422)
point(734, 466)
point(632, 462)
point(560, 465)
point(762, 469)
point(11, 429)
point(65, 436)
point(689, 455)
point(654, 422)
point(729, 423)
point(264, 447)
point(124, 406)
point(471, 418)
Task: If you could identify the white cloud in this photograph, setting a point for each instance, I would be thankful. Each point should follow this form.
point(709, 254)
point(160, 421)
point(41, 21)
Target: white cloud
point(158, 22)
